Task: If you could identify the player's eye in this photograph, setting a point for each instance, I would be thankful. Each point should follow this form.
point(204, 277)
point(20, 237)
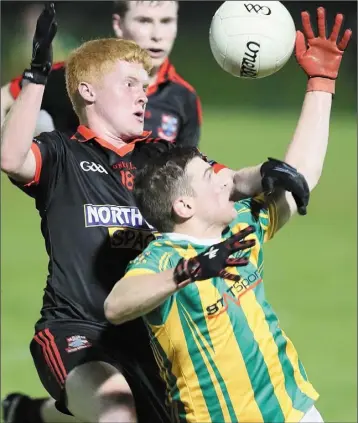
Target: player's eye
point(167, 20)
point(144, 20)
point(129, 84)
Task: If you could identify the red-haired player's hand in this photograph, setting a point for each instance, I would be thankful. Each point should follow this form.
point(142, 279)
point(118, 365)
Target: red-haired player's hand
point(322, 56)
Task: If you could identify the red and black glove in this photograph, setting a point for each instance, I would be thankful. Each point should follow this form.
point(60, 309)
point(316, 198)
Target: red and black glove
point(41, 61)
point(322, 56)
point(215, 261)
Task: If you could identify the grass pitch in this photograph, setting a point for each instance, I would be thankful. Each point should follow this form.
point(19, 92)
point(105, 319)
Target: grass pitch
point(310, 274)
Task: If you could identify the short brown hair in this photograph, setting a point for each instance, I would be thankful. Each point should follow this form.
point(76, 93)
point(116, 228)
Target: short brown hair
point(121, 7)
point(162, 180)
point(93, 59)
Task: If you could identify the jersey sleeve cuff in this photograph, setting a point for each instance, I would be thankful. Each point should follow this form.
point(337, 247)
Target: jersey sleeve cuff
point(217, 167)
point(139, 272)
point(15, 87)
point(38, 158)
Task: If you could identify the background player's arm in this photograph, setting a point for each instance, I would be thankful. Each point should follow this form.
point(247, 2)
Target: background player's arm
point(135, 296)
point(17, 158)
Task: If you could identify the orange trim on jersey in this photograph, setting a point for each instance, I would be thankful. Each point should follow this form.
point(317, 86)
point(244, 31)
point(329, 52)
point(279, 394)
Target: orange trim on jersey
point(88, 134)
point(163, 75)
point(217, 167)
point(200, 110)
point(15, 87)
point(167, 72)
point(38, 159)
point(58, 65)
point(15, 84)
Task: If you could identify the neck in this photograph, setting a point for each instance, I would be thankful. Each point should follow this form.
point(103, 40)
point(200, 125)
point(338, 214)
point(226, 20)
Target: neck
point(199, 231)
point(102, 129)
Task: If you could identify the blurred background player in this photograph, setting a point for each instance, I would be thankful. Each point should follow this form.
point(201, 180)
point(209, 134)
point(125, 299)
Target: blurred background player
point(173, 111)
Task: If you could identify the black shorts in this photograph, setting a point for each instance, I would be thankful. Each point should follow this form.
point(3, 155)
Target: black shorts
point(62, 346)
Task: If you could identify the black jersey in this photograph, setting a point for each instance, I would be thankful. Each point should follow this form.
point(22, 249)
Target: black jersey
point(91, 226)
point(173, 111)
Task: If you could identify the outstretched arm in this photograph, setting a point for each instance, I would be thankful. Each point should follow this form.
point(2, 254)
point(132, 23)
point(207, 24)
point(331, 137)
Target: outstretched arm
point(308, 147)
point(321, 62)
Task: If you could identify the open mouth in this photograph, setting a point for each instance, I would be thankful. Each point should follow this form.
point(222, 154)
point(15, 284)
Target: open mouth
point(155, 52)
point(139, 115)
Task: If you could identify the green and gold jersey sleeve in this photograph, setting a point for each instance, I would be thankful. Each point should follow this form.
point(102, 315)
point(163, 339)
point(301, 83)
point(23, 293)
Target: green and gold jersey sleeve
point(258, 213)
point(154, 259)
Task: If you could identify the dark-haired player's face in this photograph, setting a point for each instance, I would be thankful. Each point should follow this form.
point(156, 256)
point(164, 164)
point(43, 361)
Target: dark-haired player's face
point(121, 99)
point(152, 25)
point(212, 199)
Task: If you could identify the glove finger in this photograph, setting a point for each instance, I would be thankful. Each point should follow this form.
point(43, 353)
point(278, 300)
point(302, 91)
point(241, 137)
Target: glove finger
point(230, 276)
point(242, 245)
point(239, 236)
point(336, 27)
point(268, 184)
point(237, 261)
point(301, 207)
point(307, 27)
point(321, 22)
point(342, 45)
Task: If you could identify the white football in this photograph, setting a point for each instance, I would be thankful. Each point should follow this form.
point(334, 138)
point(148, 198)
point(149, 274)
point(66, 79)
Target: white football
point(252, 40)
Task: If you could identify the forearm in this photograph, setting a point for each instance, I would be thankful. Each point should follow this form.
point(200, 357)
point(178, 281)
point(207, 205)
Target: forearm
point(135, 296)
point(6, 101)
point(247, 181)
point(19, 127)
point(308, 147)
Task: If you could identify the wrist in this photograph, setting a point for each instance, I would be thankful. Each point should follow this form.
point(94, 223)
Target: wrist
point(37, 74)
point(321, 84)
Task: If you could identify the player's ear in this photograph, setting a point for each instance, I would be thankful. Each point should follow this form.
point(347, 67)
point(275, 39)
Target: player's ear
point(116, 24)
point(184, 207)
point(87, 92)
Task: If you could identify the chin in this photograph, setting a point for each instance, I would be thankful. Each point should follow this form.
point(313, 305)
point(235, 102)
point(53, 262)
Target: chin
point(157, 62)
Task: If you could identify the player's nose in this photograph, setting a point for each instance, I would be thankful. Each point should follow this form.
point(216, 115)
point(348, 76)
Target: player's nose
point(142, 98)
point(157, 32)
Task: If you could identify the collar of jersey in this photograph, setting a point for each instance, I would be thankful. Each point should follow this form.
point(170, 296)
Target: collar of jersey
point(166, 73)
point(174, 236)
point(85, 134)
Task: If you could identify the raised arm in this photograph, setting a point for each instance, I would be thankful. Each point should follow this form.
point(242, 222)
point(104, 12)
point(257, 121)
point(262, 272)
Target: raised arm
point(321, 62)
point(308, 147)
point(17, 158)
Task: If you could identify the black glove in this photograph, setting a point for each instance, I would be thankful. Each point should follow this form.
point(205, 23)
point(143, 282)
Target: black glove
point(278, 174)
point(41, 61)
point(213, 261)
